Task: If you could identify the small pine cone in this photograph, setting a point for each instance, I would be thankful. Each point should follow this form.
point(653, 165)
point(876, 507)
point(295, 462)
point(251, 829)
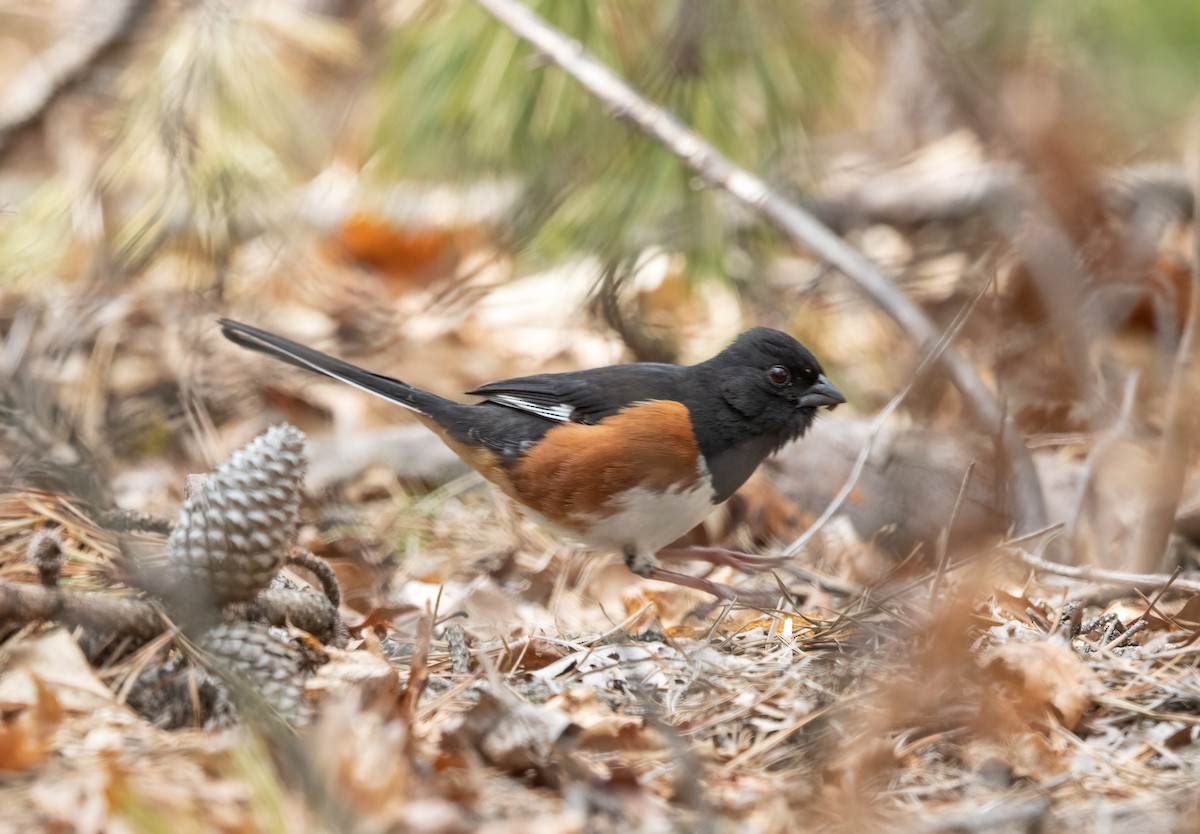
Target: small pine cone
point(233, 535)
point(263, 660)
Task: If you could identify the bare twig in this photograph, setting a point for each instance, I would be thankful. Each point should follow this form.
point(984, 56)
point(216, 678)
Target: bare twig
point(1137, 581)
point(798, 224)
point(944, 539)
point(104, 613)
point(418, 670)
point(1118, 430)
point(143, 619)
point(1165, 490)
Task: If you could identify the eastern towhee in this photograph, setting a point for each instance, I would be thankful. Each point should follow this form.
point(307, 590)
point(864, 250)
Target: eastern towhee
point(625, 458)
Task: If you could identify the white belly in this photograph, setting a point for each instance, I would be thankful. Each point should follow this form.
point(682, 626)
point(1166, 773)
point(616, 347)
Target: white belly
point(646, 520)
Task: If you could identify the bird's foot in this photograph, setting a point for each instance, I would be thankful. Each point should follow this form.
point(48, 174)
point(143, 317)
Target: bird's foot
point(643, 564)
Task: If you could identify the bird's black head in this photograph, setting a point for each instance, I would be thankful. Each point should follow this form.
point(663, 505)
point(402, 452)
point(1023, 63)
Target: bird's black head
point(769, 387)
point(774, 381)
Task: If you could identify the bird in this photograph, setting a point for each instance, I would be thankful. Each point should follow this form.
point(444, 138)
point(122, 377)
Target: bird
point(625, 458)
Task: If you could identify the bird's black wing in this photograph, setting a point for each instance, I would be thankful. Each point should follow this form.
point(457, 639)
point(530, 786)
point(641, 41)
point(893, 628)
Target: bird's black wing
point(585, 396)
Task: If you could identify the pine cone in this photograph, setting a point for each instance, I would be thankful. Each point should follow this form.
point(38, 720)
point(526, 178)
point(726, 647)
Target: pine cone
point(263, 660)
point(233, 535)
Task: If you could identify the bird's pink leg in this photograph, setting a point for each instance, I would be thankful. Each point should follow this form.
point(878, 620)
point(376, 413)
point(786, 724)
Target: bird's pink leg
point(745, 562)
point(752, 599)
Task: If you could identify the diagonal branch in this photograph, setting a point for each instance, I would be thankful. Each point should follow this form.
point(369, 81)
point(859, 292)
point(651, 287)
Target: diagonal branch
point(802, 227)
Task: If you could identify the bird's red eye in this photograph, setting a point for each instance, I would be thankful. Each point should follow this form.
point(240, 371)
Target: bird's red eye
point(779, 375)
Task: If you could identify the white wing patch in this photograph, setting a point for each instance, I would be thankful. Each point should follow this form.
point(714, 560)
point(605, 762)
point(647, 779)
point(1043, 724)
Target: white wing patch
point(559, 412)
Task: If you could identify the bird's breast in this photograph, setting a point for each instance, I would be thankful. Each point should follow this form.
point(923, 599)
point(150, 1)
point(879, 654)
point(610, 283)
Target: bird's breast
point(632, 477)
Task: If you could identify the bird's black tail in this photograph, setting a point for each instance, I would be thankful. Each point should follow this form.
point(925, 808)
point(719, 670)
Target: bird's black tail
point(297, 354)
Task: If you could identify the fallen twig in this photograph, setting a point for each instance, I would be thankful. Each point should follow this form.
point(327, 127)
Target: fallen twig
point(144, 619)
point(104, 613)
point(1137, 581)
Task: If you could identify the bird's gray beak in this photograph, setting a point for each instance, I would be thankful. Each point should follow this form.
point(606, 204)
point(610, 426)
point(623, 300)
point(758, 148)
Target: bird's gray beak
point(822, 393)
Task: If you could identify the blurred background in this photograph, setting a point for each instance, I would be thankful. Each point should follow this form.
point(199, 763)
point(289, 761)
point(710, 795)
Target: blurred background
point(408, 185)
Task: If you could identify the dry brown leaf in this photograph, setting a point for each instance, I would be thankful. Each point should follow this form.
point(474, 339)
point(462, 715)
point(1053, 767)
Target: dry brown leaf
point(509, 733)
point(530, 654)
point(1026, 753)
point(601, 729)
point(360, 673)
point(1189, 615)
point(411, 255)
point(362, 754)
point(25, 740)
point(1046, 680)
point(664, 605)
point(52, 661)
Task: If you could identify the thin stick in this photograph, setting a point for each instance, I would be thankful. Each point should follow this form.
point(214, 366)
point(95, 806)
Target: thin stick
point(944, 539)
point(1139, 581)
point(799, 225)
point(1118, 430)
point(418, 669)
point(1163, 502)
point(1049, 529)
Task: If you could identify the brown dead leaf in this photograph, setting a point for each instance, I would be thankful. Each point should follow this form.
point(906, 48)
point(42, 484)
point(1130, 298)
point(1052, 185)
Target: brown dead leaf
point(1189, 615)
point(1016, 605)
point(531, 654)
point(52, 661)
point(509, 733)
point(1169, 615)
point(384, 617)
point(792, 626)
point(25, 740)
point(347, 673)
point(601, 729)
point(412, 255)
point(362, 756)
point(682, 632)
point(664, 604)
point(1023, 752)
point(1045, 680)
